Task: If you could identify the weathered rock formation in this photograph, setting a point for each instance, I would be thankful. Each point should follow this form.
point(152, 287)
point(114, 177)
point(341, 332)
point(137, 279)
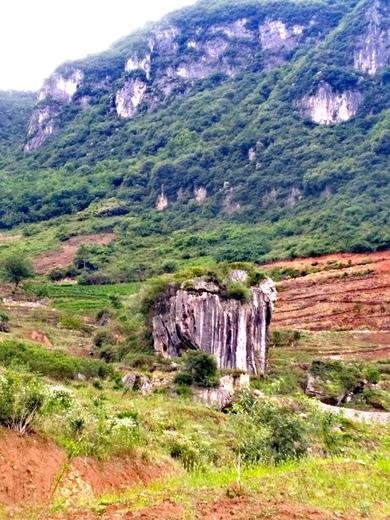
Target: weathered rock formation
point(204, 318)
point(167, 60)
point(373, 48)
point(222, 396)
point(57, 91)
point(327, 106)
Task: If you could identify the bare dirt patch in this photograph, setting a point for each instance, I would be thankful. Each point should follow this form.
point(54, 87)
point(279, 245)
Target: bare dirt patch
point(255, 508)
point(5, 239)
point(29, 466)
point(39, 337)
point(64, 255)
point(94, 478)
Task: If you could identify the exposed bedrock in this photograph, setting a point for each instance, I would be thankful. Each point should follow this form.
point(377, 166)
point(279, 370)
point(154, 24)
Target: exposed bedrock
point(204, 318)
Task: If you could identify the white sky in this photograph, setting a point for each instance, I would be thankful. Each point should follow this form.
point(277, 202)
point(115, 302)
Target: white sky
point(38, 35)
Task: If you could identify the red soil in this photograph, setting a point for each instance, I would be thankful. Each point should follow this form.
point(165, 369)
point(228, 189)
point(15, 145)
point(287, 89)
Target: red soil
point(29, 466)
point(347, 292)
point(240, 508)
point(32, 470)
point(63, 256)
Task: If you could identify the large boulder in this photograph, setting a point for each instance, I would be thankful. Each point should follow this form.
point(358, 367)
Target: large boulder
point(222, 396)
point(203, 317)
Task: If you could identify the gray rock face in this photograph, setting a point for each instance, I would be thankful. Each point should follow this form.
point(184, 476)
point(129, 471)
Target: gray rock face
point(57, 91)
point(129, 97)
point(223, 396)
point(328, 107)
point(168, 63)
point(201, 318)
point(373, 48)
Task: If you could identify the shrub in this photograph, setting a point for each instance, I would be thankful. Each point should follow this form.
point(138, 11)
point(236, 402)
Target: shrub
point(57, 274)
point(71, 322)
point(95, 279)
point(21, 399)
point(16, 268)
point(238, 291)
point(337, 379)
point(142, 361)
point(199, 369)
point(268, 432)
point(285, 338)
point(103, 337)
point(103, 316)
point(4, 322)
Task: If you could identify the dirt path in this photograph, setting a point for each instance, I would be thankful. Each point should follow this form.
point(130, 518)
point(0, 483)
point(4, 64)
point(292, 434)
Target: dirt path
point(357, 415)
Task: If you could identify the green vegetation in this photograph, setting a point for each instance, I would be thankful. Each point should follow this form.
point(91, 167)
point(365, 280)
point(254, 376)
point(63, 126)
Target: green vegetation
point(21, 399)
point(288, 197)
point(276, 186)
point(16, 269)
point(199, 369)
point(52, 363)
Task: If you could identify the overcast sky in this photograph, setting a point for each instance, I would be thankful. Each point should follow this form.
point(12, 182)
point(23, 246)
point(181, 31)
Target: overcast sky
point(38, 35)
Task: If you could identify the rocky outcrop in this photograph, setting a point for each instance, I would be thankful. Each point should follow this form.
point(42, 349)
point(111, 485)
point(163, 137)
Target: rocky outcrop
point(222, 396)
point(382, 418)
point(57, 91)
point(61, 87)
point(327, 107)
point(278, 38)
point(41, 126)
point(162, 202)
point(144, 64)
point(166, 61)
point(373, 48)
point(204, 318)
point(200, 194)
point(129, 97)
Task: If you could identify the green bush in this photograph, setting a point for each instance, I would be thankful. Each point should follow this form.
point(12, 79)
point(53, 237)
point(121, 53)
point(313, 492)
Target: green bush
point(16, 268)
point(285, 338)
point(53, 363)
point(199, 368)
point(21, 398)
point(4, 322)
point(268, 432)
point(238, 291)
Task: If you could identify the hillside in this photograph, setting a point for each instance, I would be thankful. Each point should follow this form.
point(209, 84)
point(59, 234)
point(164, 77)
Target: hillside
point(15, 111)
point(189, 117)
point(194, 271)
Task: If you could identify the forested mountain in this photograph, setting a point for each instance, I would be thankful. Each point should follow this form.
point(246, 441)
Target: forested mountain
point(256, 129)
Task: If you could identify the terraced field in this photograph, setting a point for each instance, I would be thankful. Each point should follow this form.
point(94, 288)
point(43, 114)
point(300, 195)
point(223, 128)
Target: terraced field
point(335, 292)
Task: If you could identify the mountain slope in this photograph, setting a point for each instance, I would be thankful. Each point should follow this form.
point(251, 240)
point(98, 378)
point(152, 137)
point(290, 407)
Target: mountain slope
point(260, 128)
point(15, 111)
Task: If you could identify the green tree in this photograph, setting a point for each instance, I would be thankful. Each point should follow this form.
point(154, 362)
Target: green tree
point(16, 268)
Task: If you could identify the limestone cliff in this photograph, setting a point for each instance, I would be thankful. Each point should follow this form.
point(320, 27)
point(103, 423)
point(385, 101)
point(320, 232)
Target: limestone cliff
point(56, 92)
point(327, 106)
point(372, 52)
point(204, 318)
point(166, 62)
